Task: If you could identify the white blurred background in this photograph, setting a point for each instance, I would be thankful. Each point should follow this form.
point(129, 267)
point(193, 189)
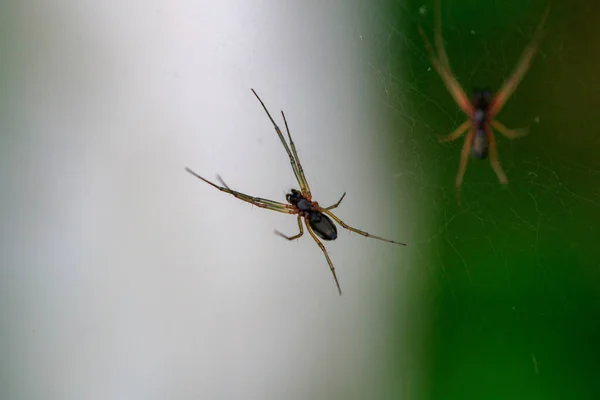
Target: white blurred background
point(124, 277)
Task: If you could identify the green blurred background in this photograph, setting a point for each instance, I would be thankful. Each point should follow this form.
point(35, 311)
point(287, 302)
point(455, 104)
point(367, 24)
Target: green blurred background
point(516, 295)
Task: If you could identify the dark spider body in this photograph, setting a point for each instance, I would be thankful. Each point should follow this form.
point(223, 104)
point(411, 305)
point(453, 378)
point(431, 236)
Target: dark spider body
point(322, 225)
point(319, 222)
point(481, 100)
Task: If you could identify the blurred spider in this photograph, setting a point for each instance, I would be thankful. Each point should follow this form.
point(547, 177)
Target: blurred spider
point(317, 219)
point(483, 109)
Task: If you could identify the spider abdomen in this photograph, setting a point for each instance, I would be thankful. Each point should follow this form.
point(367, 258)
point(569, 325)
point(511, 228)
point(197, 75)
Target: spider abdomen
point(480, 146)
point(304, 205)
point(322, 225)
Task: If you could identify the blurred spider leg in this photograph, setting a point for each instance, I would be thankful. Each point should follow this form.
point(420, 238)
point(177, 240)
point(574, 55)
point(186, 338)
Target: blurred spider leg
point(306, 189)
point(295, 236)
point(450, 81)
point(222, 182)
point(458, 132)
point(523, 65)
point(509, 133)
point(287, 149)
point(439, 41)
point(326, 255)
point(464, 159)
point(257, 201)
point(494, 158)
point(365, 234)
point(338, 202)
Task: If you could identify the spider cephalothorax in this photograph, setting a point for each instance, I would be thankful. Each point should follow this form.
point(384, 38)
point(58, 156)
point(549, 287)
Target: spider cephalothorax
point(318, 220)
point(296, 199)
point(481, 100)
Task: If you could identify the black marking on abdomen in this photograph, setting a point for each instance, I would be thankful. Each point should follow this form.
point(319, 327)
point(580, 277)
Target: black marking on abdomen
point(322, 225)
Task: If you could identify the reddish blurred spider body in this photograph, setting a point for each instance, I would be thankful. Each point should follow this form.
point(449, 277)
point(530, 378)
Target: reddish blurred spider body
point(482, 110)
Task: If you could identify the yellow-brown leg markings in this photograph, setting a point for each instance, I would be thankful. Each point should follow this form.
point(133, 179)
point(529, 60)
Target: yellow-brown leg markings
point(270, 204)
point(331, 267)
point(509, 133)
point(336, 204)
point(282, 139)
point(305, 188)
point(509, 86)
point(295, 236)
point(458, 132)
point(494, 158)
point(365, 234)
point(257, 201)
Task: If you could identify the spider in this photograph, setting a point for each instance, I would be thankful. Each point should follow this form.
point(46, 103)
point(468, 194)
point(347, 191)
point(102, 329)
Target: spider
point(484, 108)
point(318, 220)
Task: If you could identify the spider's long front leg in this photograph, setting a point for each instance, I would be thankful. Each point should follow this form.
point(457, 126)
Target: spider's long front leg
point(456, 91)
point(257, 201)
point(365, 234)
point(458, 132)
point(523, 65)
point(293, 161)
point(509, 133)
point(464, 159)
point(295, 236)
point(494, 158)
point(438, 38)
point(322, 247)
point(336, 204)
point(306, 188)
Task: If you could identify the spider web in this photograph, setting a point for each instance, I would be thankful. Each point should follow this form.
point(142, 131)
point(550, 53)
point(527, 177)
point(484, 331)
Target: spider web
point(526, 249)
point(550, 180)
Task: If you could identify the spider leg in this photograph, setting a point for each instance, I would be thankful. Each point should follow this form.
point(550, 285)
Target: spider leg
point(464, 158)
point(257, 201)
point(365, 234)
point(300, 169)
point(456, 91)
point(509, 133)
point(295, 236)
point(439, 41)
point(287, 149)
point(338, 202)
point(494, 158)
point(458, 132)
point(523, 65)
point(326, 255)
